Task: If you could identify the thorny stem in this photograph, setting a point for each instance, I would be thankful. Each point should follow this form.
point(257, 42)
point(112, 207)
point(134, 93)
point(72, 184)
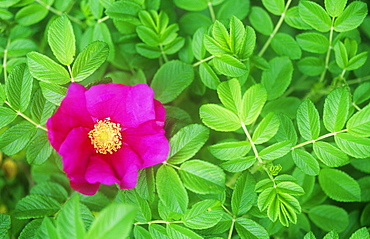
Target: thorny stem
point(53, 10)
point(5, 61)
point(276, 29)
point(322, 77)
point(319, 138)
point(204, 60)
point(26, 117)
point(211, 11)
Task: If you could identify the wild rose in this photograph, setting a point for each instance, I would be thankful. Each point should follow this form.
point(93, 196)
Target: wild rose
point(106, 133)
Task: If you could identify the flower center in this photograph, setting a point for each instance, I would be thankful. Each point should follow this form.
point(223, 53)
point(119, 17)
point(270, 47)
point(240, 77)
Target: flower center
point(106, 136)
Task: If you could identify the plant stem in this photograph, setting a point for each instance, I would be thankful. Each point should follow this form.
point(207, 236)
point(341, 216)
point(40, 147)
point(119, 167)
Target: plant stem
point(70, 73)
point(156, 222)
point(319, 138)
point(204, 60)
point(276, 29)
point(327, 58)
point(53, 10)
point(103, 19)
point(231, 229)
point(358, 80)
point(26, 117)
point(356, 106)
point(5, 61)
point(211, 11)
point(173, 166)
point(163, 54)
point(227, 210)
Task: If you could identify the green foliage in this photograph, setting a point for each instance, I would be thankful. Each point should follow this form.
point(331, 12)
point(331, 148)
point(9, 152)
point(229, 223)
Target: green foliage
point(267, 117)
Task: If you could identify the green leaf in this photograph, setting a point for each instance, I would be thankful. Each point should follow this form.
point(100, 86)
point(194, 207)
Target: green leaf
point(252, 103)
point(6, 116)
point(199, 50)
point(31, 14)
point(187, 142)
point(191, 5)
point(341, 55)
point(354, 146)
point(19, 87)
point(229, 150)
point(336, 109)
point(357, 61)
point(313, 42)
point(329, 217)
point(39, 149)
point(148, 51)
point(53, 93)
point(175, 200)
point(286, 130)
point(89, 60)
point(339, 186)
point(132, 197)
point(114, 221)
point(148, 35)
point(204, 214)
point(41, 109)
point(331, 235)
point(359, 124)
point(20, 47)
point(237, 35)
point(238, 164)
point(360, 233)
point(305, 162)
point(16, 138)
point(208, 76)
point(244, 195)
point(171, 79)
point(293, 19)
point(266, 129)
point(277, 79)
point(218, 118)
point(308, 120)
point(329, 154)
point(202, 177)
point(157, 231)
point(249, 229)
point(230, 66)
point(261, 21)
point(124, 10)
point(35, 206)
point(4, 225)
point(69, 223)
point(176, 231)
point(285, 45)
point(314, 15)
point(290, 188)
point(45, 69)
point(351, 17)
point(311, 66)
point(30, 230)
point(335, 7)
point(309, 235)
point(277, 150)
point(230, 95)
point(276, 7)
point(62, 40)
point(141, 233)
point(50, 189)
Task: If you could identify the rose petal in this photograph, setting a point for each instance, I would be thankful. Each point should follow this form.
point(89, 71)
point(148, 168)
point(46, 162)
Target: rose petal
point(76, 151)
point(149, 142)
point(100, 170)
point(160, 111)
point(125, 163)
point(128, 105)
point(72, 113)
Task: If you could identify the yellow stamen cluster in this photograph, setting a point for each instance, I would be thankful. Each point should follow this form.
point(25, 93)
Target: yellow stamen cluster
point(106, 136)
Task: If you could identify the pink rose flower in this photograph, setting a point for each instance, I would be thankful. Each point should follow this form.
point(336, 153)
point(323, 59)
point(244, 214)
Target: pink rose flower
point(105, 134)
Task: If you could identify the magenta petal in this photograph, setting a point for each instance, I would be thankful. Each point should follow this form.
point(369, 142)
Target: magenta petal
point(125, 163)
point(100, 170)
point(128, 105)
point(72, 113)
point(149, 142)
point(160, 111)
point(76, 151)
